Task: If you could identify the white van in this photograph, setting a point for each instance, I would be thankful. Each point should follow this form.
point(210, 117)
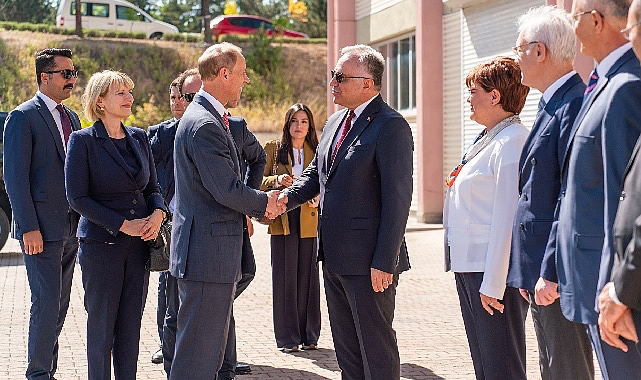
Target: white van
point(118, 15)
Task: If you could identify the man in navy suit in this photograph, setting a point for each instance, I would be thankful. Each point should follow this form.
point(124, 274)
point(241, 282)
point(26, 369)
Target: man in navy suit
point(162, 148)
point(620, 299)
point(363, 172)
point(545, 50)
point(208, 222)
point(600, 145)
point(35, 144)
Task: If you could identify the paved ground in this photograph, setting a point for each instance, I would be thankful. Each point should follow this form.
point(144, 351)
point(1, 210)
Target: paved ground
point(428, 322)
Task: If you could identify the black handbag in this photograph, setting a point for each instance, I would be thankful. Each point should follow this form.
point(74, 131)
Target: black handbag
point(159, 248)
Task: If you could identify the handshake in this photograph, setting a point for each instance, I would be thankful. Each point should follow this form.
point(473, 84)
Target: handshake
point(276, 204)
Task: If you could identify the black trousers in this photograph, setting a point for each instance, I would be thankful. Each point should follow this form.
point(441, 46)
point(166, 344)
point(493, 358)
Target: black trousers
point(114, 278)
point(361, 323)
point(49, 274)
point(497, 342)
point(616, 364)
point(296, 287)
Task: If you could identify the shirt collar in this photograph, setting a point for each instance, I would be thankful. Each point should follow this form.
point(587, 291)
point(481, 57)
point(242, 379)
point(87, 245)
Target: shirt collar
point(50, 103)
point(606, 63)
point(549, 92)
point(359, 110)
point(214, 102)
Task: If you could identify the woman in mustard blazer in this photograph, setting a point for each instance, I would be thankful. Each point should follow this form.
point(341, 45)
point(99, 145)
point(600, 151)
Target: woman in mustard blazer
point(295, 283)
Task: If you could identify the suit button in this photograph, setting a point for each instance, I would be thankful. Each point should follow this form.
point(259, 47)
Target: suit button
point(622, 197)
point(313, 213)
point(134, 201)
point(137, 192)
point(525, 197)
point(533, 161)
point(522, 226)
point(132, 211)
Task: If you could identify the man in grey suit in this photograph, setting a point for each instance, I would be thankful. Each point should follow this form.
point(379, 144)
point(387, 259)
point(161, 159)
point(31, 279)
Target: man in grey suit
point(35, 145)
point(211, 204)
point(545, 49)
point(363, 172)
point(600, 145)
point(620, 299)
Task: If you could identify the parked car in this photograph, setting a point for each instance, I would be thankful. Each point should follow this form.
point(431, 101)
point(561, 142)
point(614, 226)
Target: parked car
point(118, 15)
point(5, 206)
point(246, 24)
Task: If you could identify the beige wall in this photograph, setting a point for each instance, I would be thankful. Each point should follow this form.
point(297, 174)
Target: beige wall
point(395, 20)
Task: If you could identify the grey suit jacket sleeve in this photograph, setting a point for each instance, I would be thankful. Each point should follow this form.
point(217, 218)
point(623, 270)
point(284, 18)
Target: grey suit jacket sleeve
point(218, 174)
point(17, 171)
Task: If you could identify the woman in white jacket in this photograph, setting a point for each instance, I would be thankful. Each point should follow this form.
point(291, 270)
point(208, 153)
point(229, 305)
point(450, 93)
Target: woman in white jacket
point(479, 209)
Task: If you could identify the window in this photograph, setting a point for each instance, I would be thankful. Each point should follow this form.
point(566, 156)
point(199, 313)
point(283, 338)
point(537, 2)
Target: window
point(126, 13)
point(399, 78)
point(91, 9)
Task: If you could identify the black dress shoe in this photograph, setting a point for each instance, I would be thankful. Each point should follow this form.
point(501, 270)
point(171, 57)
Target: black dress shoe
point(242, 369)
point(156, 358)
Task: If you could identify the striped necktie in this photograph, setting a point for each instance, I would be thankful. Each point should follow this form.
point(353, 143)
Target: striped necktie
point(594, 78)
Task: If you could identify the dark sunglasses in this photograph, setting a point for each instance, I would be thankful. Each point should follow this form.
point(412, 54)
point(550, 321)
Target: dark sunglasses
point(340, 77)
point(188, 97)
point(66, 73)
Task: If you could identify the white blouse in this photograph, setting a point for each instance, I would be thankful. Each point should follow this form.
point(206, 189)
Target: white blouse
point(480, 207)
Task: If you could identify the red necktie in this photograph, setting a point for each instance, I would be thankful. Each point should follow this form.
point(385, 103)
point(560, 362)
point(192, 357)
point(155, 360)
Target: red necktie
point(226, 121)
point(346, 127)
point(66, 123)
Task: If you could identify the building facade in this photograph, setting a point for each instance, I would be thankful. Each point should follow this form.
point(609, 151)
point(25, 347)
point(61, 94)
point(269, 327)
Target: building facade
point(429, 46)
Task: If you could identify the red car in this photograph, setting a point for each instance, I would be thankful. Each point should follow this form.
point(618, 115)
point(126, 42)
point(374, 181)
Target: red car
point(245, 24)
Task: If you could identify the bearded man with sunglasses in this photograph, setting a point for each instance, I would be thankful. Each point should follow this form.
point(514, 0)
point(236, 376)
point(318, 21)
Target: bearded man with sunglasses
point(35, 146)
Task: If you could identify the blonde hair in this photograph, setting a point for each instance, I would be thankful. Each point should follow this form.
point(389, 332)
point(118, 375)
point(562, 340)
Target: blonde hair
point(216, 57)
point(97, 87)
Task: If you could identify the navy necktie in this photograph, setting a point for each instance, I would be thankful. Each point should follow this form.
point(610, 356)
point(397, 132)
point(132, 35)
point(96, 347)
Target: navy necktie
point(594, 78)
point(542, 105)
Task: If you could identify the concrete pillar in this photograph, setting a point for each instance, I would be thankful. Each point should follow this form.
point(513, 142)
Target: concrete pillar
point(429, 110)
point(341, 32)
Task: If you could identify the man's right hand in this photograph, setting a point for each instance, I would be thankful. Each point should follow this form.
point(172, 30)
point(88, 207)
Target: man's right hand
point(32, 242)
point(274, 207)
point(545, 292)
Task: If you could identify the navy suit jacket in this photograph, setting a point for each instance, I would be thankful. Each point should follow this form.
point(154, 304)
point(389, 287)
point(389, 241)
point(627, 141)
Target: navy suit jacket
point(211, 199)
point(161, 138)
point(365, 194)
point(101, 187)
point(539, 184)
point(626, 272)
point(34, 159)
point(601, 143)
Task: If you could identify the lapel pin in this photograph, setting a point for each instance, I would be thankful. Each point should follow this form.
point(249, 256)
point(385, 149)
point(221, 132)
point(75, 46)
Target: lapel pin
point(369, 118)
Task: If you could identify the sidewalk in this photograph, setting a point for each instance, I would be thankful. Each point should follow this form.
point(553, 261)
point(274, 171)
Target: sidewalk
point(428, 322)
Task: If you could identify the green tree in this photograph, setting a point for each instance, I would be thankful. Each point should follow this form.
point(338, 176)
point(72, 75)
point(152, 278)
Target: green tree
point(35, 11)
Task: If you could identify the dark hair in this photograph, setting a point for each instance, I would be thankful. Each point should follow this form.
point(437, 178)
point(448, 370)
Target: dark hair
point(286, 150)
point(504, 75)
point(45, 60)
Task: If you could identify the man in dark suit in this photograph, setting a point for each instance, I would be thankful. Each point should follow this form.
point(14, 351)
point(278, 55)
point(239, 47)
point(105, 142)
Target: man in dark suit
point(208, 222)
point(545, 49)
point(35, 144)
point(620, 299)
point(253, 161)
point(162, 148)
point(363, 172)
point(600, 145)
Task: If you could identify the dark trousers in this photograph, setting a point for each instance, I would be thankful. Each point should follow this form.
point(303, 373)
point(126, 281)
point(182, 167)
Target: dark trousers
point(161, 311)
point(203, 324)
point(296, 287)
point(616, 364)
point(49, 274)
point(565, 351)
point(497, 342)
point(248, 267)
point(114, 279)
point(361, 324)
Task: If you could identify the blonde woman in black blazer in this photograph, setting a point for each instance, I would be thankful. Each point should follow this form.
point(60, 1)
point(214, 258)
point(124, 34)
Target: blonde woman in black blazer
point(295, 282)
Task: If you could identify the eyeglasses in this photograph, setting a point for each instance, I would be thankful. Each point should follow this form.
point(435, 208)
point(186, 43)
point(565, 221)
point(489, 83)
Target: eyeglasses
point(340, 77)
point(517, 49)
point(626, 32)
point(66, 73)
point(188, 97)
point(576, 16)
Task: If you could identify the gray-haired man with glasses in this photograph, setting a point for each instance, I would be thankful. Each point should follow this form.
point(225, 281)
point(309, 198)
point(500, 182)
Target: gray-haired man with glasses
point(35, 146)
point(545, 50)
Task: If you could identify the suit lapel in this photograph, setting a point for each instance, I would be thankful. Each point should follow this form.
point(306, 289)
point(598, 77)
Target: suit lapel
point(51, 124)
point(137, 148)
point(101, 133)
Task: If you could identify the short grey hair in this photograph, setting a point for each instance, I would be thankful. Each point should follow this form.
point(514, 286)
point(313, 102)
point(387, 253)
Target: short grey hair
point(636, 8)
point(614, 8)
point(553, 27)
point(369, 58)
